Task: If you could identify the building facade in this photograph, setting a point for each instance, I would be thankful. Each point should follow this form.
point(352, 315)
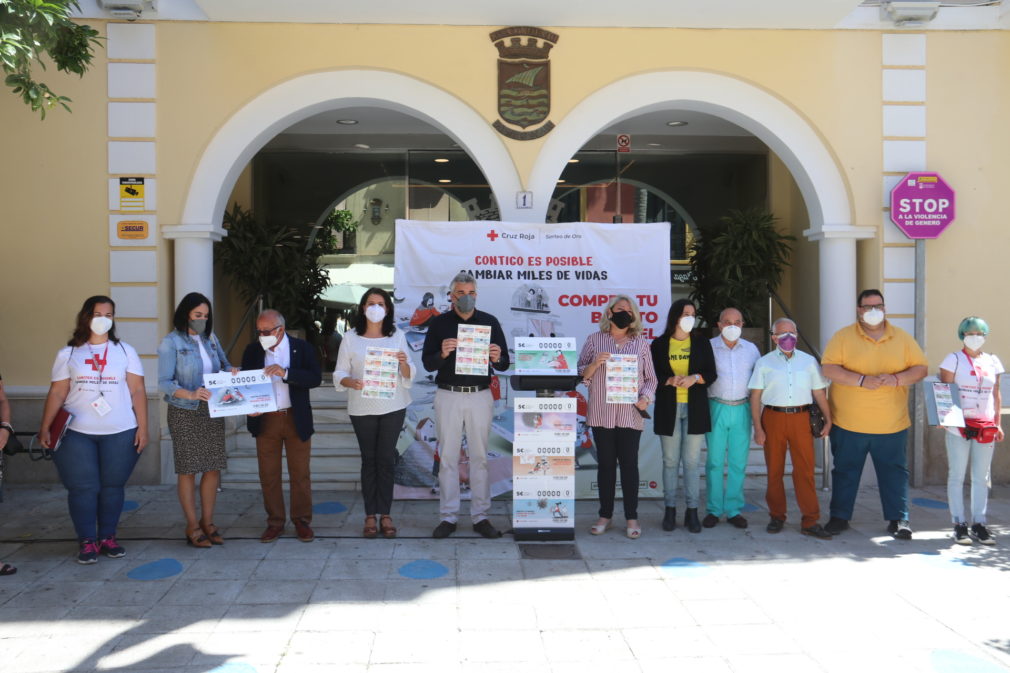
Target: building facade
point(812, 112)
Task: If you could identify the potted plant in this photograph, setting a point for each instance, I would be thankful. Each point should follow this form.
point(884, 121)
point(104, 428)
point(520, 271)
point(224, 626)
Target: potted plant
point(278, 263)
point(735, 262)
point(343, 226)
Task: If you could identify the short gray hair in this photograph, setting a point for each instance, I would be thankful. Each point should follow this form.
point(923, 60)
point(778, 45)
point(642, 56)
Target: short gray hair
point(272, 313)
point(464, 278)
point(782, 320)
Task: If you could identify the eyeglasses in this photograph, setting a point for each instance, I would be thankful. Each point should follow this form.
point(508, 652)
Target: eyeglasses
point(869, 307)
point(785, 334)
point(266, 332)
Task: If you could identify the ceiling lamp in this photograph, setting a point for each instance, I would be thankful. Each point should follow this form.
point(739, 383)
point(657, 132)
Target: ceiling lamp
point(347, 122)
point(909, 12)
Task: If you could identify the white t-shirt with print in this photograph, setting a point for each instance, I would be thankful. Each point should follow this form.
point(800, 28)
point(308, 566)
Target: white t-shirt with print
point(88, 380)
point(974, 383)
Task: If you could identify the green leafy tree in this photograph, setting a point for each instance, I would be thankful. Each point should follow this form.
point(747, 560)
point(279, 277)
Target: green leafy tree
point(735, 261)
point(279, 263)
point(33, 31)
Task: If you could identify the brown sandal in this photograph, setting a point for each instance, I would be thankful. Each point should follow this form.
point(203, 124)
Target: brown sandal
point(212, 532)
point(370, 530)
point(387, 527)
point(196, 538)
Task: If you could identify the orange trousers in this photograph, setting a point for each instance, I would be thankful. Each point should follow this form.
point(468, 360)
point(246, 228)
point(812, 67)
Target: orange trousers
point(790, 432)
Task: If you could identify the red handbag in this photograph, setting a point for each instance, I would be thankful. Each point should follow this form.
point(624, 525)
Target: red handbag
point(983, 432)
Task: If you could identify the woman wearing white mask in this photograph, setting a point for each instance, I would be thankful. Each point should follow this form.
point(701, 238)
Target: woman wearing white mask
point(685, 367)
point(977, 377)
point(187, 353)
point(374, 368)
point(100, 381)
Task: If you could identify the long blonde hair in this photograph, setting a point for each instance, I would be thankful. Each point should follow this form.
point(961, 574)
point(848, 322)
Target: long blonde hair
point(635, 328)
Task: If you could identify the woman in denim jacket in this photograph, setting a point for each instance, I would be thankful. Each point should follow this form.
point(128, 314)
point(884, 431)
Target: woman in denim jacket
point(187, 353)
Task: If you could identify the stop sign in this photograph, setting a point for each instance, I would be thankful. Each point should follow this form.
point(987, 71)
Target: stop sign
point(922, 205)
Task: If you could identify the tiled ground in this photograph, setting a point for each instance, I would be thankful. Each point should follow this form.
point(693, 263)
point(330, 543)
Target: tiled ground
point(722, 600)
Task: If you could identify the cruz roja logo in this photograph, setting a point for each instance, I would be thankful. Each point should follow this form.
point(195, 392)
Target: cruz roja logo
point(524, 81)
point(492, 235)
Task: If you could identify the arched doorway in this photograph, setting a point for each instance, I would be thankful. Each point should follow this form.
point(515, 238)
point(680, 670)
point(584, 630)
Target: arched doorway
point(778, 125)
point(255, 124)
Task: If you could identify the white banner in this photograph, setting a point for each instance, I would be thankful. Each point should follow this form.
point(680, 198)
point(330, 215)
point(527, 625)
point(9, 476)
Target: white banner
point(548, 280)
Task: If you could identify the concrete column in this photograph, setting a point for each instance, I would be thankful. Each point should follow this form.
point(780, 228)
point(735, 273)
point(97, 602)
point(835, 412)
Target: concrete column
point(194, 258)
point(837, 258)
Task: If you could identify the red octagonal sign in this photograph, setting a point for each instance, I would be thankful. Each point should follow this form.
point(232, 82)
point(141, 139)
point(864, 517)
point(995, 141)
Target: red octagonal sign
point(922, 205)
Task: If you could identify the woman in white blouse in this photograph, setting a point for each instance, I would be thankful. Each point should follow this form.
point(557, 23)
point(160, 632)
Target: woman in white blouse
point(977, 375)
point(374, 368)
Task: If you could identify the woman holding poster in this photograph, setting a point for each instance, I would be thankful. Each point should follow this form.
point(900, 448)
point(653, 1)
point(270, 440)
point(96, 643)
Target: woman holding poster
point(186, 353)
point(373, 367)
point(685, 366)
point(99, 381)
point(977, 377)
point(617, 400)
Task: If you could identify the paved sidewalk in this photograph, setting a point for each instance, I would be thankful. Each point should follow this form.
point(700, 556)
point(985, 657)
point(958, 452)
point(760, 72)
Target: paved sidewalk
point(722, 600)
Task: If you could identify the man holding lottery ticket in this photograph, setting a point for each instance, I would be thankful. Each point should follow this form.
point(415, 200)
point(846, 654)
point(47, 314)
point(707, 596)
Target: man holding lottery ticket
point(463, 345)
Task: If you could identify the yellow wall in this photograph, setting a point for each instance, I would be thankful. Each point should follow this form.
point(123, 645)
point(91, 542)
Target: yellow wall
point(53, 219)
point(831, 78)
point(968, 103)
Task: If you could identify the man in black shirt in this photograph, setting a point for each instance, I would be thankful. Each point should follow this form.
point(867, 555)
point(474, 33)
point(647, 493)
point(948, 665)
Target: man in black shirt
point(463, 402)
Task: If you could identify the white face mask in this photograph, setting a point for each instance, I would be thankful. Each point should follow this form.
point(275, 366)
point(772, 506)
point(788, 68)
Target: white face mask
point(731, 332)
point(687, 323)
point(268, 341)
point(973, 342)
point(100, 325)
point(375, 313)
point(873, 317)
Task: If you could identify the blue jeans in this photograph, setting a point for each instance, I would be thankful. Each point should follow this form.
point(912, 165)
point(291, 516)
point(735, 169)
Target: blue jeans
point(961, 452)
point(681, 448)
point(849, 449)
point(94, 470)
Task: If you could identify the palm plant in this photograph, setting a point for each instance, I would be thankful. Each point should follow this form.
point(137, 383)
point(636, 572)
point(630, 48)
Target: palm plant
point(279, 263)
point(735, 262)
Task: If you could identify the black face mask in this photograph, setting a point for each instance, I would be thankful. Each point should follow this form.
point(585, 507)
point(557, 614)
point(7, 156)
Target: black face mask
point(622, 319)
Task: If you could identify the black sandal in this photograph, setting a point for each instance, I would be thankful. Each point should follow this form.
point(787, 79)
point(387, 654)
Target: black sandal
point(7, 569)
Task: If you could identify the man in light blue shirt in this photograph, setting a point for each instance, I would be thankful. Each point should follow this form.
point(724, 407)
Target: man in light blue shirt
point(729, 441)
point(786, 382)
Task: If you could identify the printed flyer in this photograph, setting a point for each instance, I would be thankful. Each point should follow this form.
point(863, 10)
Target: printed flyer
point(547, 418)
point(545, 356)
point(380, 373)
point(622, 379)
point(472, 344)
point(248, 392)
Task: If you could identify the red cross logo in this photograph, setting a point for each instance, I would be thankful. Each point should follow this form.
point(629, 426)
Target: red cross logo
point(493, 235)
point(97, 363)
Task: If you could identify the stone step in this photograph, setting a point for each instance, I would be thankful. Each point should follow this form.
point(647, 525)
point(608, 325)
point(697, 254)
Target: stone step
point(346, 464)
point(339, 436)
point(322, 481)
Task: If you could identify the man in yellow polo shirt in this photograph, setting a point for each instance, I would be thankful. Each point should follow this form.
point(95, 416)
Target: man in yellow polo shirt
point(870, 364)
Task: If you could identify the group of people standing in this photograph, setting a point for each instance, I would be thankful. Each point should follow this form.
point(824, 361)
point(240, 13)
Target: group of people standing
point(720, 388)
point(723, 392)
